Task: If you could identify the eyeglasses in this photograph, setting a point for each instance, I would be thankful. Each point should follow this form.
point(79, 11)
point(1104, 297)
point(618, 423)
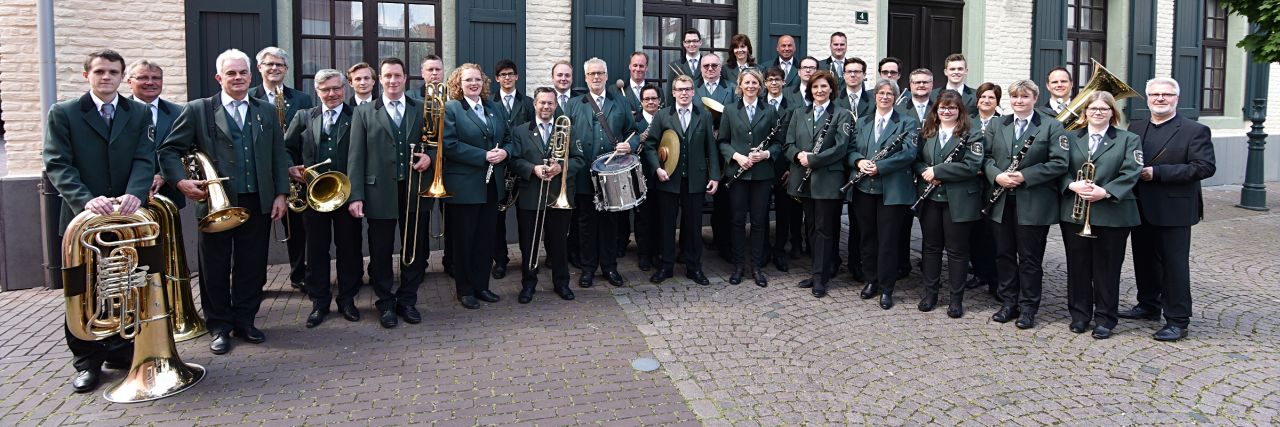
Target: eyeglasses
point(1098, 110)
point(1162, 95)
point(148, 79)
point(773, 80)
point(506, 74)
point(595, 73)
point(947, 108)
point(275, 65)
point(692, 41)
point(682, 89)
point(808, 67)
point(889, 73)
point(329, 89)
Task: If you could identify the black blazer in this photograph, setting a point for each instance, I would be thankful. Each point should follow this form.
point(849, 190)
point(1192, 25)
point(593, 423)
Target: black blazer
point(521, 110)
point(294, 100)
point(1172, 197)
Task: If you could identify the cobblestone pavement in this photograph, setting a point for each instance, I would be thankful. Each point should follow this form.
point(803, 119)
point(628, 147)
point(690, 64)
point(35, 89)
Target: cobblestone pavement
point(738, 355)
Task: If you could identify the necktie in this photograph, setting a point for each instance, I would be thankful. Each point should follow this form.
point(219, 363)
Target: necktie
point(546, 134)
point(108, 112)
point(684, 119)
point(155, 114)
point(817, 113)
point(600, 102)
point(786, 68)
point(774, 103)
point(479, 110)
point(328, 120)
point(921, 110)
point(943, 137)
point(711, 88)
point(563, 99)
point(751, 112)
point(235, 113)
point(1022, 127)
point(507, 100)
point(693, 66)
point(1094, 141)
point(635, 89)
point(395, 112)
point(880, 127)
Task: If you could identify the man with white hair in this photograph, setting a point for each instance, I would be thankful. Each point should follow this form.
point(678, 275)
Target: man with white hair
point(245, 145)
point(273, 64)
point(1178, 154)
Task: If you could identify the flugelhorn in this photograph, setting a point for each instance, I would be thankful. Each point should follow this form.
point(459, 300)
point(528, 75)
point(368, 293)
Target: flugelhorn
point(557, 152)
point(222, 216)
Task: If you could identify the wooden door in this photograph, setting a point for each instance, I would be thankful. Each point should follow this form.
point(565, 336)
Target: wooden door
point(922, 33)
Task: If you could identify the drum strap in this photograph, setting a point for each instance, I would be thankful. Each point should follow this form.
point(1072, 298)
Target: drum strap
point(600, 117)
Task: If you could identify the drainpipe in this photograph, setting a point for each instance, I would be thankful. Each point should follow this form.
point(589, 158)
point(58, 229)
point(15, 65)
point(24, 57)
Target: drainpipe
point(50, 202)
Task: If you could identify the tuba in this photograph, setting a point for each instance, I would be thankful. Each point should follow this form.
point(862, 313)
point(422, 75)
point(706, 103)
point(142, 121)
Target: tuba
point(111, 290)
point(1072, 117)
point(187, 323)
point(222, 216)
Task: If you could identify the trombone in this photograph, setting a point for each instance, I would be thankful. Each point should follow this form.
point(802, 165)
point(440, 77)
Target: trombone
point(432, 133)
point(557, 151)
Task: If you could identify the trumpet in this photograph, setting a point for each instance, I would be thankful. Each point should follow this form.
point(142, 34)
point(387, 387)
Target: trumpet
point(1013, 167)
point(557, 151)
point(1081, 209)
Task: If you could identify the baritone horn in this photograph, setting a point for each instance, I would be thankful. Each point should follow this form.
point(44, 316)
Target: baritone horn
point(1081, 209)
point(1072, 117)
point(325, 192)
point(557, 152)
point(222, 216)
point(110, 289)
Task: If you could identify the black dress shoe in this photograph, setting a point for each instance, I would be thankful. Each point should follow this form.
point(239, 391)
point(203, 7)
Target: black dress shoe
point(488, 296)
point(85, 381)
point(116, 366)
point(928, 303)
point(1101, 332)
point(869, 291)
point(409, 313)
point(956, 309)
point(761, 279)
point(349, 311)
point(469, 302)
point(221, 344)
point(1139, 313)
point(298, 285)
point(499, 271)
point(697, 277)
point(565, 293)
point(317, 316)
point(1005, 314)
point(250, 335)
point(1026, 321)
point(781, 263)
point(526, 295)
point(1079, 327)
point(614, 278)
point(388, 319)
point(586, 280)
point(886, 301)
point(1170, 333)
point(660, 275)
point(819, 290)
point(736, 277)
point(805, 284)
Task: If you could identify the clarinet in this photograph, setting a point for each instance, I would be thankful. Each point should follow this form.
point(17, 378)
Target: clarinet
point(893, 147)
point(955, 153)
point(767, 139)
point(817, 146)
point(1013, 167)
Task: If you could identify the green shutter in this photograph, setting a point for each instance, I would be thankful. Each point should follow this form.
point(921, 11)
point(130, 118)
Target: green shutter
point(604, 29)
point(779, 18)
point(1188, 41)
point(1048, 39)
point(1142, 53)
point(491, 30)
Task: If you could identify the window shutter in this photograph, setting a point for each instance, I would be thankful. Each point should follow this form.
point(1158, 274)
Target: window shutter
point(779, 18)
point(490, 31)
point(604, 29)
point(1142, 54)
point(1188, 41)
point(1049, 39)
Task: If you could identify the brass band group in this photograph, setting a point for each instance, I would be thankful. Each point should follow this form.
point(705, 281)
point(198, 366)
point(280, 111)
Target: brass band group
point(586, 171)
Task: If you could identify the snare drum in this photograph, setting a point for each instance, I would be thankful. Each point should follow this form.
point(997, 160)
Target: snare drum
point(619, 185)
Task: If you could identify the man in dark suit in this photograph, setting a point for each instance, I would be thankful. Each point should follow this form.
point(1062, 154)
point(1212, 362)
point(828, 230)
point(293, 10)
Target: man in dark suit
point(917, 104)
point(601, 124)
point(647, 235)
point(861, 103)
point(519, 110)
point(687, 65)
point(722, 91)
point(432, 71)
point(387, 173)
point(956, 70)
point(1059, 83)
point(146, 81)
point(786, 61)
point(839, 44)
point(99, 157)
point(273, 64)
point(713, 86)
point(1179, 155)
point(798, 94)
point(890, 68)
point(245, 144)
point(363, 84)
point(682, 189)
point(789, 214)
point(317, 135)
point(638, 66)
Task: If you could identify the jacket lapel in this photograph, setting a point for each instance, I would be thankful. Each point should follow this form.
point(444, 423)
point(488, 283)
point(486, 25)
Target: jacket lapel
point(220, 117)
point(123, 114)
point(1108, 141)
point(383, 114)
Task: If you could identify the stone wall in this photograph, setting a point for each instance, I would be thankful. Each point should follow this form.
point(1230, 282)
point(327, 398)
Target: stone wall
point(547, 40)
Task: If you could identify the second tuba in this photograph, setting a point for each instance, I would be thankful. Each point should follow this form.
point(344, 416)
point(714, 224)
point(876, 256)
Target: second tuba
point(186, 321)
point(1072, 117)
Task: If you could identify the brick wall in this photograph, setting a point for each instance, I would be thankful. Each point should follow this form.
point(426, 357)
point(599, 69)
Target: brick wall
point(1164, 41)
point(547, 40)
point(829, 16)
point(19, 68)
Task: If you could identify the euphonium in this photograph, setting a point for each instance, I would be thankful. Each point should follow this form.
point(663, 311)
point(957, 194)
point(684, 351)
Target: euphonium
point(222, 216)
point(325, 192)
point(111, 290)
point(187, 323)
point(1081, 209)
point(1072, 117)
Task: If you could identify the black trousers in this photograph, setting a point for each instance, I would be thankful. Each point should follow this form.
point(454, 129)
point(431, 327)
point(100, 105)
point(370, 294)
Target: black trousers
point(574, 243)
point(721, 220)
point(555, 232)
point(382, 240)
point(788, 221)
point(87, 355)
point(646, 230)
point(825, 229)
point(938, 230)
point(881, 227)
point(233, 269)
point(750, 198)
point(297, 247)
point(904, 245)
point(854, 245)
point(597, 234)
point(1093, 272)
point(623, 233)
point(472, 228)
point(982, 251)
point(1019, 259)
point(689, 207)
point(1161, 267)
point(345, 232)
point(500, 256)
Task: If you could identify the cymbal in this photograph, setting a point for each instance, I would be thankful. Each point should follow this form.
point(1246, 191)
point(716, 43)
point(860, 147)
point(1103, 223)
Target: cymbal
point(669, 150)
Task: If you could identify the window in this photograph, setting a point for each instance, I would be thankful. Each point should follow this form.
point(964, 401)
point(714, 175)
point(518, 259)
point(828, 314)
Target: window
point(332, 34)
point(1214, 58)
point(665, 22)
point(1086, 37)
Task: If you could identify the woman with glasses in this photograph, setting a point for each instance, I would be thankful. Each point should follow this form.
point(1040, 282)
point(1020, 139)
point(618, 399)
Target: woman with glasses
point(744, 127)
point(950, 157)
point(1098, 198)
point(882, 199)
point(743, 57)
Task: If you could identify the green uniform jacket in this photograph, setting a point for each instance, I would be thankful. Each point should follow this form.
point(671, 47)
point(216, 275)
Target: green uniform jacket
point(305, 132)
point(373, 164)
point(866, 103)
point(968, 95)
point(202, 126)
point(725, 92)
point(739, 135)
point(166, 113)
point(894, 177)
point(1043, 166)
point(85, 160)
point(1117, 162)
point(521, 110)
point(466, 140)
point(961, 187)
point(828, 164)
point(589, 135)
point(529, 152)
point(699, 157)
